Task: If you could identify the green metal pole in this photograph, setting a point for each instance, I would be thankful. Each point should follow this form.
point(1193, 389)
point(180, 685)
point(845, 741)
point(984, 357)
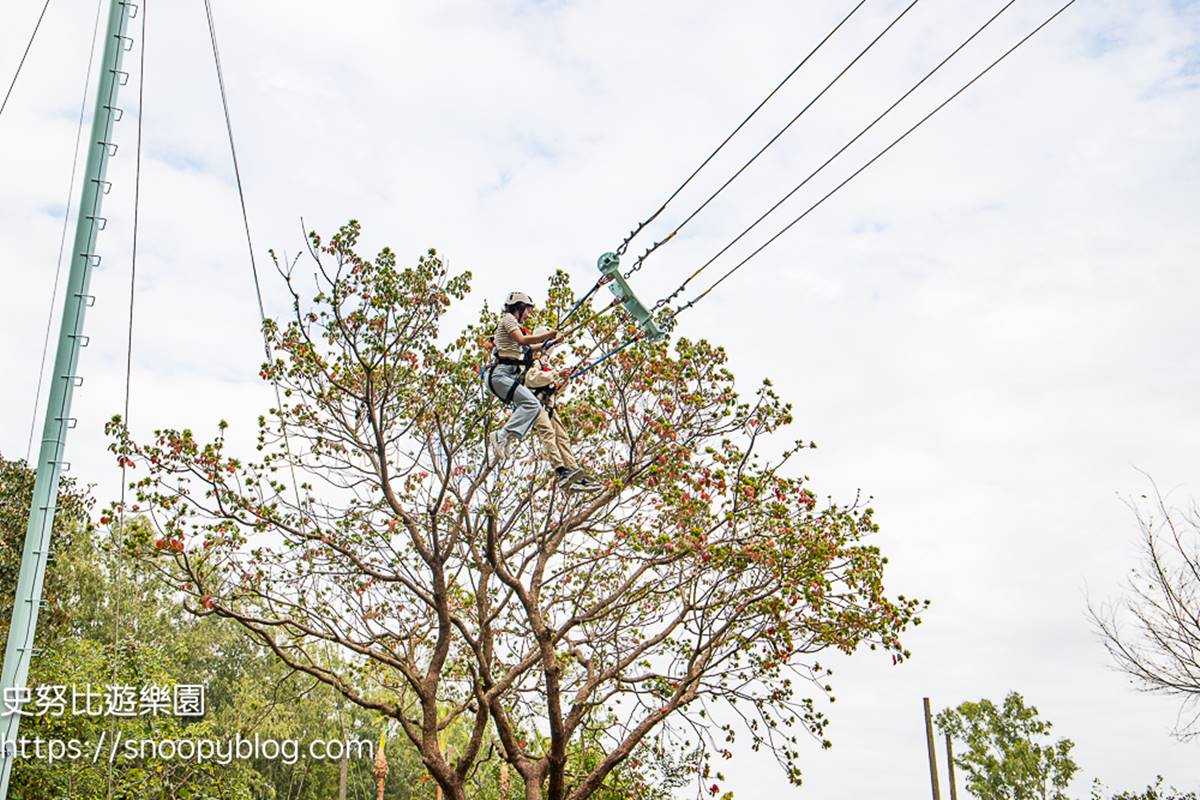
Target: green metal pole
point(63, 381)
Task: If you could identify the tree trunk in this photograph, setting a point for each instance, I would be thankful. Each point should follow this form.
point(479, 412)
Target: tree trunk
point(533, 782)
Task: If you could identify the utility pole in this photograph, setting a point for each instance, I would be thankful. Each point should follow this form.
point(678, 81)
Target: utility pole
point(933, 774)
point(950, 768)
point(63, 381)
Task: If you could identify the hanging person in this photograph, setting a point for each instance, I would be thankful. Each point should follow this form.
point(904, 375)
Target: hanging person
point(545, 383)
point(512, 356)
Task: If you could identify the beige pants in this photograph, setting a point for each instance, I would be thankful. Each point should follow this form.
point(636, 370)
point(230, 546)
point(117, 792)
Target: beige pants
point(556, 444)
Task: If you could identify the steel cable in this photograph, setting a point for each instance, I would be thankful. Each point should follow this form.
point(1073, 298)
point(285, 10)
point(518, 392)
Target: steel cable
point(119, 535)
point(667, 300)
point(638, 228)
point(262, 312)
point(28, 45)
point(878, 156)
point(62, 241)
point(642, 258)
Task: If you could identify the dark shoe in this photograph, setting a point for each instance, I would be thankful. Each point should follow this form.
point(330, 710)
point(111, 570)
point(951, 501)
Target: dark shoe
point(584, 483)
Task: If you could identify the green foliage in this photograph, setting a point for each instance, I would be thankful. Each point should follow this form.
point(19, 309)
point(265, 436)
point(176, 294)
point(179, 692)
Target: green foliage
point(373, 521)
point(1005, 751)
point(160, 644)
point(1155, 791)
point(66, 589)
point(249, 691)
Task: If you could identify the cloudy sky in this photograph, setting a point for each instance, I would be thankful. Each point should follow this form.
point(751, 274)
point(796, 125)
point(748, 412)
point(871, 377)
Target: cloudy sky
point(991, 331)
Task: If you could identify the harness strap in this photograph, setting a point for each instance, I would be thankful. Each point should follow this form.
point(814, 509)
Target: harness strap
point(524, 363)
point(545, 394)
point(512, 390)
point(507, 397)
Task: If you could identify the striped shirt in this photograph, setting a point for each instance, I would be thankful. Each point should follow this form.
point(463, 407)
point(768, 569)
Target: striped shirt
point(506, 345)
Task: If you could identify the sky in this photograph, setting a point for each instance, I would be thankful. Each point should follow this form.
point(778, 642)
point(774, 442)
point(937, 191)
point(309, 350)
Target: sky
point(990, 331)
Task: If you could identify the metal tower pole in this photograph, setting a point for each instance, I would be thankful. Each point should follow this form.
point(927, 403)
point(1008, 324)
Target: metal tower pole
point(64, 380)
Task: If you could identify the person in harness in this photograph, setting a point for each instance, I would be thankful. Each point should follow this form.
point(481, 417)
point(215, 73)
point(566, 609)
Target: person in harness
point(512, 355)
point(511, 379)
point(545, 382)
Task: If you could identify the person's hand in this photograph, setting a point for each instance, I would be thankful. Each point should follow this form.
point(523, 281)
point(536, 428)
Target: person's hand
point(552, 335)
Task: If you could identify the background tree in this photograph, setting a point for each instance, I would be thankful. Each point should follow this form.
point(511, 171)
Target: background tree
point(65, 590)
point(1005, 751)
point(249, 690)
point(1153, 632)
point(1155, 791)
point(475, 598)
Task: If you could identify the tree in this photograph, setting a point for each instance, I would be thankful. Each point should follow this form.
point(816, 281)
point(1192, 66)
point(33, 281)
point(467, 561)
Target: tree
point(1162, 603)
point(1155, 791)
point(247, 689)
point(65, 590)
point(374, 521)
point(1005, 751)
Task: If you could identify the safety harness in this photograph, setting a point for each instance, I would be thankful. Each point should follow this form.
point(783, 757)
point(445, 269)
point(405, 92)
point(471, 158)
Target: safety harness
point(544, 394)
point(524, 362)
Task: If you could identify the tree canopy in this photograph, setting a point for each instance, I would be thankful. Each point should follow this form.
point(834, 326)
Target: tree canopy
point(1153, 632)
point(101, 629)
point(1007, 753)
point(374, 544)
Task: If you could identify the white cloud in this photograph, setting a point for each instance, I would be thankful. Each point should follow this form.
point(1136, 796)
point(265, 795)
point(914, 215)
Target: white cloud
point(986, 331)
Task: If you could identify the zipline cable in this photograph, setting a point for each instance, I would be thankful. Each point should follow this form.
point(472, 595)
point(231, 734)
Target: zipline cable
point(878, 156)
point(262, 312)
point(671, 297)
point(62, 241)
point(589, 367)
point(642, 258)
point(237, 172)
point(21, 63)
point(638, 228)
point(119, 536)
point(578, 304)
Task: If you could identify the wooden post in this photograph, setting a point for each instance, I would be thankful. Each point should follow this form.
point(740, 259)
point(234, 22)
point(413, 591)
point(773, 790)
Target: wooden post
point(950, 768)
point(381, 763)
point(933, 774)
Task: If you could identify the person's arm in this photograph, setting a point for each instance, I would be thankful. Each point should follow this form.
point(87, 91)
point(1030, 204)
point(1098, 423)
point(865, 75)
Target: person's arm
point(529, 340)
point(538, 348)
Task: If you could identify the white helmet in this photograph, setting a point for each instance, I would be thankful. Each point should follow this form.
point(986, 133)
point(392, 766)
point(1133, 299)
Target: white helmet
point(518, 297)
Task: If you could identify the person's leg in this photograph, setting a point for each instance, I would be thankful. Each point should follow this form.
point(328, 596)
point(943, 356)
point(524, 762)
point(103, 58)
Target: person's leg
point(526, 408)
point(548, 440)
point(504, 381)
point(563, 444)
point(500, 379)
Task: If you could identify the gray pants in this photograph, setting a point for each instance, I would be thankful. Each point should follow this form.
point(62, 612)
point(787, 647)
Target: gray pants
point(526, 407)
